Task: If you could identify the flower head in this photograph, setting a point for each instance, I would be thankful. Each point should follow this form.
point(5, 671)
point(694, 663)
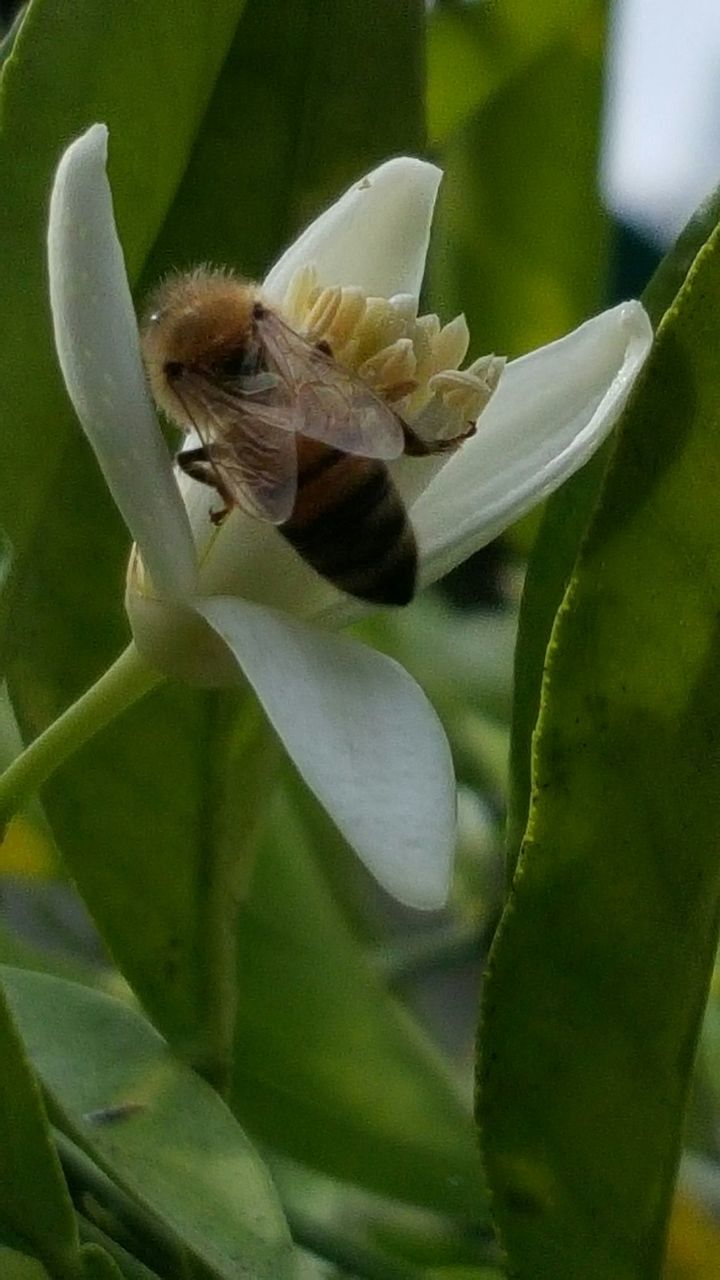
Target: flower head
point(218, 605)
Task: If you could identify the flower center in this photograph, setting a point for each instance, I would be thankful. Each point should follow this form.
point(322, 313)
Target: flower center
point(411, 361)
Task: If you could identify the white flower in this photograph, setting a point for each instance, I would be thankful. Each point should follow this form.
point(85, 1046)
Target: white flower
point(219, 605)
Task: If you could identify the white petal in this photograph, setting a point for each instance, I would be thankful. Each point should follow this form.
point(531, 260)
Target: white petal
point(173, 638)
point(363, 736)
point(550, 413)
point(375, 236)
point(250, 558)
point(98, 348)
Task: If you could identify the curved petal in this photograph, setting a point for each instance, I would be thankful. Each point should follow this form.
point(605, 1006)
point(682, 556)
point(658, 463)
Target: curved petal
point(550, 413)
point(172, 637)
point(250, 558)
point(98, 348)
point(364, 738)
point(375, 236)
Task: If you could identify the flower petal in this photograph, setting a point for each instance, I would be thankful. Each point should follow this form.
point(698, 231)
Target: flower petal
point(98, 348)
point(364, 738)
point(551, 411)
point(375, 236)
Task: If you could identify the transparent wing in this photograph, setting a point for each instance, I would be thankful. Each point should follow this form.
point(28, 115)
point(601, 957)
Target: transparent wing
point(250, 447)
point(334, 405)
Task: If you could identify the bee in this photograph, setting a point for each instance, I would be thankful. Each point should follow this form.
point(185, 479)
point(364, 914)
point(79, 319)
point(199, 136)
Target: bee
point(286, 432)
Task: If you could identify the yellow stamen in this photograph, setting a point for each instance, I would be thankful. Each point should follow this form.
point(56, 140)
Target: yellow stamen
point(410, 360)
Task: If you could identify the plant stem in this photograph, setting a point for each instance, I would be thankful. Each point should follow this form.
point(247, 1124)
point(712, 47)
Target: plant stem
point(127, 680)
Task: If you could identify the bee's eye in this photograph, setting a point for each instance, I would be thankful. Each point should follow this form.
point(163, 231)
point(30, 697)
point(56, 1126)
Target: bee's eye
point(173, 370)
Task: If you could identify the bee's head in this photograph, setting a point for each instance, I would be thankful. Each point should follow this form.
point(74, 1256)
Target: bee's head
point(196, 323)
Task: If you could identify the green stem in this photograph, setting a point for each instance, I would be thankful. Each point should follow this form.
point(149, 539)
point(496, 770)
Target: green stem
point(127, 680)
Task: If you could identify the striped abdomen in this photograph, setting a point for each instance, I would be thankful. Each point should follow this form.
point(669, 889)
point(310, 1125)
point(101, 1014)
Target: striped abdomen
point(351, 526)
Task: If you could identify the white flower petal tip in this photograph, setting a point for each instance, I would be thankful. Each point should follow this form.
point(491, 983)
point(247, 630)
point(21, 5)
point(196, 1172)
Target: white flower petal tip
point(375, 236)
point(362, 735)
point(552, 409)
point(98, 348)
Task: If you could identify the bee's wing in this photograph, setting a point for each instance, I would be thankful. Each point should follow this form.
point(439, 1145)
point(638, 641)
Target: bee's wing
point(250, 447)
point(335, 406)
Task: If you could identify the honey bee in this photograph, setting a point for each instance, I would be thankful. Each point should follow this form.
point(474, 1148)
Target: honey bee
point(286, 432)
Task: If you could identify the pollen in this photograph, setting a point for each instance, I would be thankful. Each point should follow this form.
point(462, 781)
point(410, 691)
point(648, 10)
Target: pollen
point(412, 361)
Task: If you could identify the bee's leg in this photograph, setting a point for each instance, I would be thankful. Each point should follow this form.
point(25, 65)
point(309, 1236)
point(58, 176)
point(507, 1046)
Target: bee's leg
point(197, 464)
point(415, 447)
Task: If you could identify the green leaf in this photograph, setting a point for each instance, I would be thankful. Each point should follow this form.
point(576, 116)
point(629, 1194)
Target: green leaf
point(18, 1266)
point(159, 843)
point(16, 951)
point(311, 96)
point(98, 1265)
point(147, 71)
point(556, 546)
point(34, 1203)
point(564, 521)
point(601, 968)
point(161, 1133)
point(103, 1262)
point(330, 1069)
point(473, 50)
point(520, 182)
point(327, 1067)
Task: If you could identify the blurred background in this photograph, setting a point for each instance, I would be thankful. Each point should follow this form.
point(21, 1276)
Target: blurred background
point(575, 150)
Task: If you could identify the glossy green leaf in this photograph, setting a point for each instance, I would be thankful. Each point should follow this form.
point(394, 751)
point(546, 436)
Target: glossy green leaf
point(162, 1134)
point(556, 546)
point(565, 519)
point(146, 71)
point(601, 968)
point(520, 183)
point(34, 1201)
point(329, 1069)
